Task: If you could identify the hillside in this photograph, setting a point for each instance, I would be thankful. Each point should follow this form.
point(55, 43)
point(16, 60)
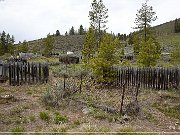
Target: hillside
point(62, 43)
point(169, 41)
point(166, 28)
point(165, 34)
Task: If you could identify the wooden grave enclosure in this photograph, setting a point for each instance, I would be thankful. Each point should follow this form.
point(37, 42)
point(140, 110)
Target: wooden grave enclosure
point(29, 73)
point(155, 78)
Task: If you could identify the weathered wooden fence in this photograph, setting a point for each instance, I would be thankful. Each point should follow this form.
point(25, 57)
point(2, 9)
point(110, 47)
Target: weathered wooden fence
point(30, 73)
point(3, 72)
point(156, 78)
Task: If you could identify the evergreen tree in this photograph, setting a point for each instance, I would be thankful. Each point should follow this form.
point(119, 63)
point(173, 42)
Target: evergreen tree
point(119, 36)
point(130, 39)
point(105, 59)
point(177, 26)
point(22, 48)
point(6, 43)
point(71, 31)
point(35, 49)
point(149, 53)
point(124, 37)
point(66, 34)
point(10, 44)
point(48, 45)
point(175, 55)
point(12, 39)
point(81, 30)
point(89, 46)
point(98, 18)
point(3, 42)
point(144, 18)
point(57, 33)
point(1, 49)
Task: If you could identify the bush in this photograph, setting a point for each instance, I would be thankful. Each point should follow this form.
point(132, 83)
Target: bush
point(17, 129)
point(149, 53)
point(48, 97)
point(44, 116)
point(60, 119)
point(54, 95)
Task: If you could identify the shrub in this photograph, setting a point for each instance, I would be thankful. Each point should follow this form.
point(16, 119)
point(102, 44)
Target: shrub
point(44, 116)
point(60, 119)
point(17, 129)
point(53, 96)
point(149, 53)
point(32, 118)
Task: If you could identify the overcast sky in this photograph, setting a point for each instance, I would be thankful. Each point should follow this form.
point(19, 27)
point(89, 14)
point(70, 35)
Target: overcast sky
point(34, 19)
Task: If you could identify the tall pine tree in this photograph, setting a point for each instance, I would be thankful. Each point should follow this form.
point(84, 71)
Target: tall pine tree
point(144, 18)
point(48, 45)
point(106, 57)
point(89, 46)
point(72, 31)
point(98, 18)
point(81, 30)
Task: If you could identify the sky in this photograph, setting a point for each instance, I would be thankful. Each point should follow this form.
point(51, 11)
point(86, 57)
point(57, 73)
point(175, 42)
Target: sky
point(34, 19)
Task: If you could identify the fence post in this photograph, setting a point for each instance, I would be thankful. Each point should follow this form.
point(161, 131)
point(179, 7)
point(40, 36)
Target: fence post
point(137, 90)
point(17, 73)
point(32, 71)
point(29, 73)
point(25, 72)
point(10, 74)
point(39, 72)
point(36, 73)
point(21, 72)
point(14, 73)
point(80, 89)
point(64, 82)
point(122, 98)
point(177, 77)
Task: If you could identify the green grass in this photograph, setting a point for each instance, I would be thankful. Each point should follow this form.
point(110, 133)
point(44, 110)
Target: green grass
point(127, 129)
point(169, 39)
point(16, 130)
point(2, 89)
point(77, 123)
point(102, 115)
point(168, 111)
point(44, 116)
point(32, 118)
point(59, 119)
point(150, 116)
point(44, 59)
point(104, 129)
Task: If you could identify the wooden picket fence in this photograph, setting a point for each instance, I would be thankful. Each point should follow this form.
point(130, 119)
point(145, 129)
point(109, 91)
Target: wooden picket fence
point(155, 78)
point(30, 73)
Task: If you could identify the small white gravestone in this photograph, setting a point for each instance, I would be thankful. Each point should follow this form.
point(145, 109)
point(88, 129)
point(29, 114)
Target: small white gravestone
point(68, 53)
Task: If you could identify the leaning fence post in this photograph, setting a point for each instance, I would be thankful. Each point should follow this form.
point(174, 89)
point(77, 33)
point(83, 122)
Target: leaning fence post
point(137, 90)
point(29, 73)
point(25, 72)
point(80, 89)
point(40, 72)
point(10, 74)
point(64, 82)
point(32, 72)
point(17, 71)
point(122, 99)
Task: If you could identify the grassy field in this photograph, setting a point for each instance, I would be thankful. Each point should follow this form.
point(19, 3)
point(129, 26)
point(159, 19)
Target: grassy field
point(169, 41)
point(28, 111)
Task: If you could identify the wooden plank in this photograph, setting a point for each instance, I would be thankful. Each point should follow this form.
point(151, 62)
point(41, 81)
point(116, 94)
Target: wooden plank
point(29, 73)
point(40, 72)
point(25, 72)
point(10, 74)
